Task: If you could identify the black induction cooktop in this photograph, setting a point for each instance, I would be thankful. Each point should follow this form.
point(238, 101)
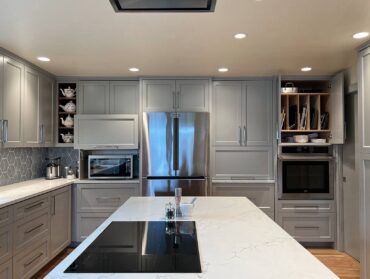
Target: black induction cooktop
point(142, 247)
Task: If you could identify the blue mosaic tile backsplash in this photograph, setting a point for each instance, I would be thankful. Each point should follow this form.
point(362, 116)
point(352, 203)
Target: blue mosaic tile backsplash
point(20, 164)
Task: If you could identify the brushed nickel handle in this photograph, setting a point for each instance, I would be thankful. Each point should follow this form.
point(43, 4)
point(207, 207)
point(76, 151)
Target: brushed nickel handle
point(107, 199)
point(307, 227)
point(2, 131)
point(240, 136)
point(174, 99)
point(33, 229)
point(178, 99)
point(33, 260)
point(5, 137)
point(245, 135)
point(34, 206)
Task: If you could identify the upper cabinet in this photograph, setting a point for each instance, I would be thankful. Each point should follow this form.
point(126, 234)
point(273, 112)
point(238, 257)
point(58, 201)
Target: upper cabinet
point(175, 95)
point(11, 105)
point(108, 97)
point(312, 107)
point(38, 109)
point(242, 113)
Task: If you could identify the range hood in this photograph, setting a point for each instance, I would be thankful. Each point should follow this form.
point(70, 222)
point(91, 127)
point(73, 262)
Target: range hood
point(163, 5)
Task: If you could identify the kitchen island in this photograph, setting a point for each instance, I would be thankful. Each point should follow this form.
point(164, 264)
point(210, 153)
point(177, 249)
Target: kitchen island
point(236, 240)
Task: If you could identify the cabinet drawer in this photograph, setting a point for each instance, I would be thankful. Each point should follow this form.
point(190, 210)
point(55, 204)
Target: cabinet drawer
point(31, 260)
point(6, 270)
point(308, 227)
point(262, 195)
point(6, 248)
point(243, 163)
point(306, 206)
point(27, 230)
point(103, 197)
point(30, 206)
point(86, 223)
point(6, 215)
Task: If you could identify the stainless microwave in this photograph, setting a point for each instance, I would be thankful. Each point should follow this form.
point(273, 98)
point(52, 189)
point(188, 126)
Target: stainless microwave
point(110, 167)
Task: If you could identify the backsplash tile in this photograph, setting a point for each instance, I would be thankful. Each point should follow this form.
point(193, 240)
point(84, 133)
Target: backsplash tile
point(20, 164)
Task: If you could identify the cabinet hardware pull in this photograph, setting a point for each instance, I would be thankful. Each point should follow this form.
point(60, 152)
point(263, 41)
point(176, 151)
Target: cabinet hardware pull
point(5, 123)
point(308, 207)
point(245, 135)
point(33, 229)
point(178, 100)
point(174, 99)
point(240, 136)
point(108, 199)
point(2, 131)
point(34, 205)
point(33, 260)
point(53, 206)
point(307, 227)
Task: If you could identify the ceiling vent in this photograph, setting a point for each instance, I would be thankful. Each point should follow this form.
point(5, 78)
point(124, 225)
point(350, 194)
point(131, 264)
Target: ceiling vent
point(163, 5)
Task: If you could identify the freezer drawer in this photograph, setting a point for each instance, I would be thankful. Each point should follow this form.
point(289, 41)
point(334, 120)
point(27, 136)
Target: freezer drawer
point(166, 187)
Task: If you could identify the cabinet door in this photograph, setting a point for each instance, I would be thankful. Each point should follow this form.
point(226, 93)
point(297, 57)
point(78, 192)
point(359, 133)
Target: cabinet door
point(337, 109)
point(31, 131)
point(12, 101)
point(46, 109)
point(364, 100)
point(86, 223)
point(119, 131)
point(258, 113)
point(93, 97)
point(60, 228)
point(124, 97)
point(1, 94)
point(159, 95)
point(192, 95)
point(227, 113)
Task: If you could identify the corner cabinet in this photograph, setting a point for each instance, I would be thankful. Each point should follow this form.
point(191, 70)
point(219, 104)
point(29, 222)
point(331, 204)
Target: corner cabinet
point(114, 131)
point(242, 125)
point(175, 95)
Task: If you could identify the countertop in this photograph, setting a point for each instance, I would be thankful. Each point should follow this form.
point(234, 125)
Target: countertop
point(236, 240)
point(13, 193)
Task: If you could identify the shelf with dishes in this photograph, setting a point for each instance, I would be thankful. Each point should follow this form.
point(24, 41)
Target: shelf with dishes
point(67, 106)
point(305, 112)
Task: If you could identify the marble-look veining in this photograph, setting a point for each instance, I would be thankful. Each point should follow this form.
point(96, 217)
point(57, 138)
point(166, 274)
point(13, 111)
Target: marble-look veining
point(18, 192)
point(236, 240)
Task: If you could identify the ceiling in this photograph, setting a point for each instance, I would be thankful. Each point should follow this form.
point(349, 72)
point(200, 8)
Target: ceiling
point(86, 37)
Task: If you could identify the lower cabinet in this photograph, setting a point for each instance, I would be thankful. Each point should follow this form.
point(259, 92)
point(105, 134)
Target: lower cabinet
point(308, 220)
point(6, 270)
point(261, 194)
point(60, 220)
point(94, 203)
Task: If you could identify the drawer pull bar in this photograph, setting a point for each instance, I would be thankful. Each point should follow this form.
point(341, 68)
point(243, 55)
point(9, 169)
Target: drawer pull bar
point(33, 229)
point(34, 206)
point(33, 260)
point(307, 228)
point(108, 199)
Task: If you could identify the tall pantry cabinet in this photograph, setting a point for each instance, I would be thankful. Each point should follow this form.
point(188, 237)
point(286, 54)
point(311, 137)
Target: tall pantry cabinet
point(363, 157)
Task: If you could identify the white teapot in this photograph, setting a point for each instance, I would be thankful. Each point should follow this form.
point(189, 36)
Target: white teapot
point(68, 92)
point(67, 138)
point(69, 107)
point(68, 122)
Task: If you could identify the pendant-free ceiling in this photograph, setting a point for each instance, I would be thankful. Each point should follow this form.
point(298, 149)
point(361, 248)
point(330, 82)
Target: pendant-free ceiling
point(163, 5)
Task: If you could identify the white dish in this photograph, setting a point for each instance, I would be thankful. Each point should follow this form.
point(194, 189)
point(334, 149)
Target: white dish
point(318, 140)
point(301, 138)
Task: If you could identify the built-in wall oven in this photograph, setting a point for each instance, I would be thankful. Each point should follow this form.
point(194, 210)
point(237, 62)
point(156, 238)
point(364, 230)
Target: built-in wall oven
point(110, 167)
point(306, 173)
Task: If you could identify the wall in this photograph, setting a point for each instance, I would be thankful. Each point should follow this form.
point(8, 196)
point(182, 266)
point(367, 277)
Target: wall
point(20, 164)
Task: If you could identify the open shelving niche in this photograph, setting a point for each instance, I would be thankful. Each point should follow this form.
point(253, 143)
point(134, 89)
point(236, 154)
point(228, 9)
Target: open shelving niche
point(315, 97)
point(61, 100)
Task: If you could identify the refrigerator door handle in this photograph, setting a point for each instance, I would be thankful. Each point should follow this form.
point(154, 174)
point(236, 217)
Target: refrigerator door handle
point(176, 143)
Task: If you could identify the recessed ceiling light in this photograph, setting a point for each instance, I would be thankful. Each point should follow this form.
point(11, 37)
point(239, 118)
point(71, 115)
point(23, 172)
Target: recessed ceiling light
point(223, 70)
point(43, 59)
point(360, 35)
point(240, 36)
point(134, 69)
point(306, 69)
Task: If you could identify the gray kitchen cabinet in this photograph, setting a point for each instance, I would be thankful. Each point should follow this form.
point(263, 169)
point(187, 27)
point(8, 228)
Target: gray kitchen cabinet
point(227, 113)
point(38, 109)
point(242, 113)
point(364, 100)
point(243, 163)
point(6, 270)
point(124, 97)
point(176, 95)
point(114, 131)
point(1, 96)
point(86, 223)
point(60, 220)
point(159, 95)
point(6, 243)
point(261, 194)
point(12, 98)
point(93, 97)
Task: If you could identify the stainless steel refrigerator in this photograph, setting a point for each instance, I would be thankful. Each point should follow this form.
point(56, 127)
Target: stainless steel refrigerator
point(175, 153)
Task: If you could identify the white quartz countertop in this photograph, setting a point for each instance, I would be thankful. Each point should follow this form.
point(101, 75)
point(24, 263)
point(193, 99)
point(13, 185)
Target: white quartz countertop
point(13, 193)
point(235, 238)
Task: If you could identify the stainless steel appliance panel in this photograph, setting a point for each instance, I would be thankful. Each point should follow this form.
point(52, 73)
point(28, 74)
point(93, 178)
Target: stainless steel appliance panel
point(110, 167)
point(166, 187)
point(175, 144)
